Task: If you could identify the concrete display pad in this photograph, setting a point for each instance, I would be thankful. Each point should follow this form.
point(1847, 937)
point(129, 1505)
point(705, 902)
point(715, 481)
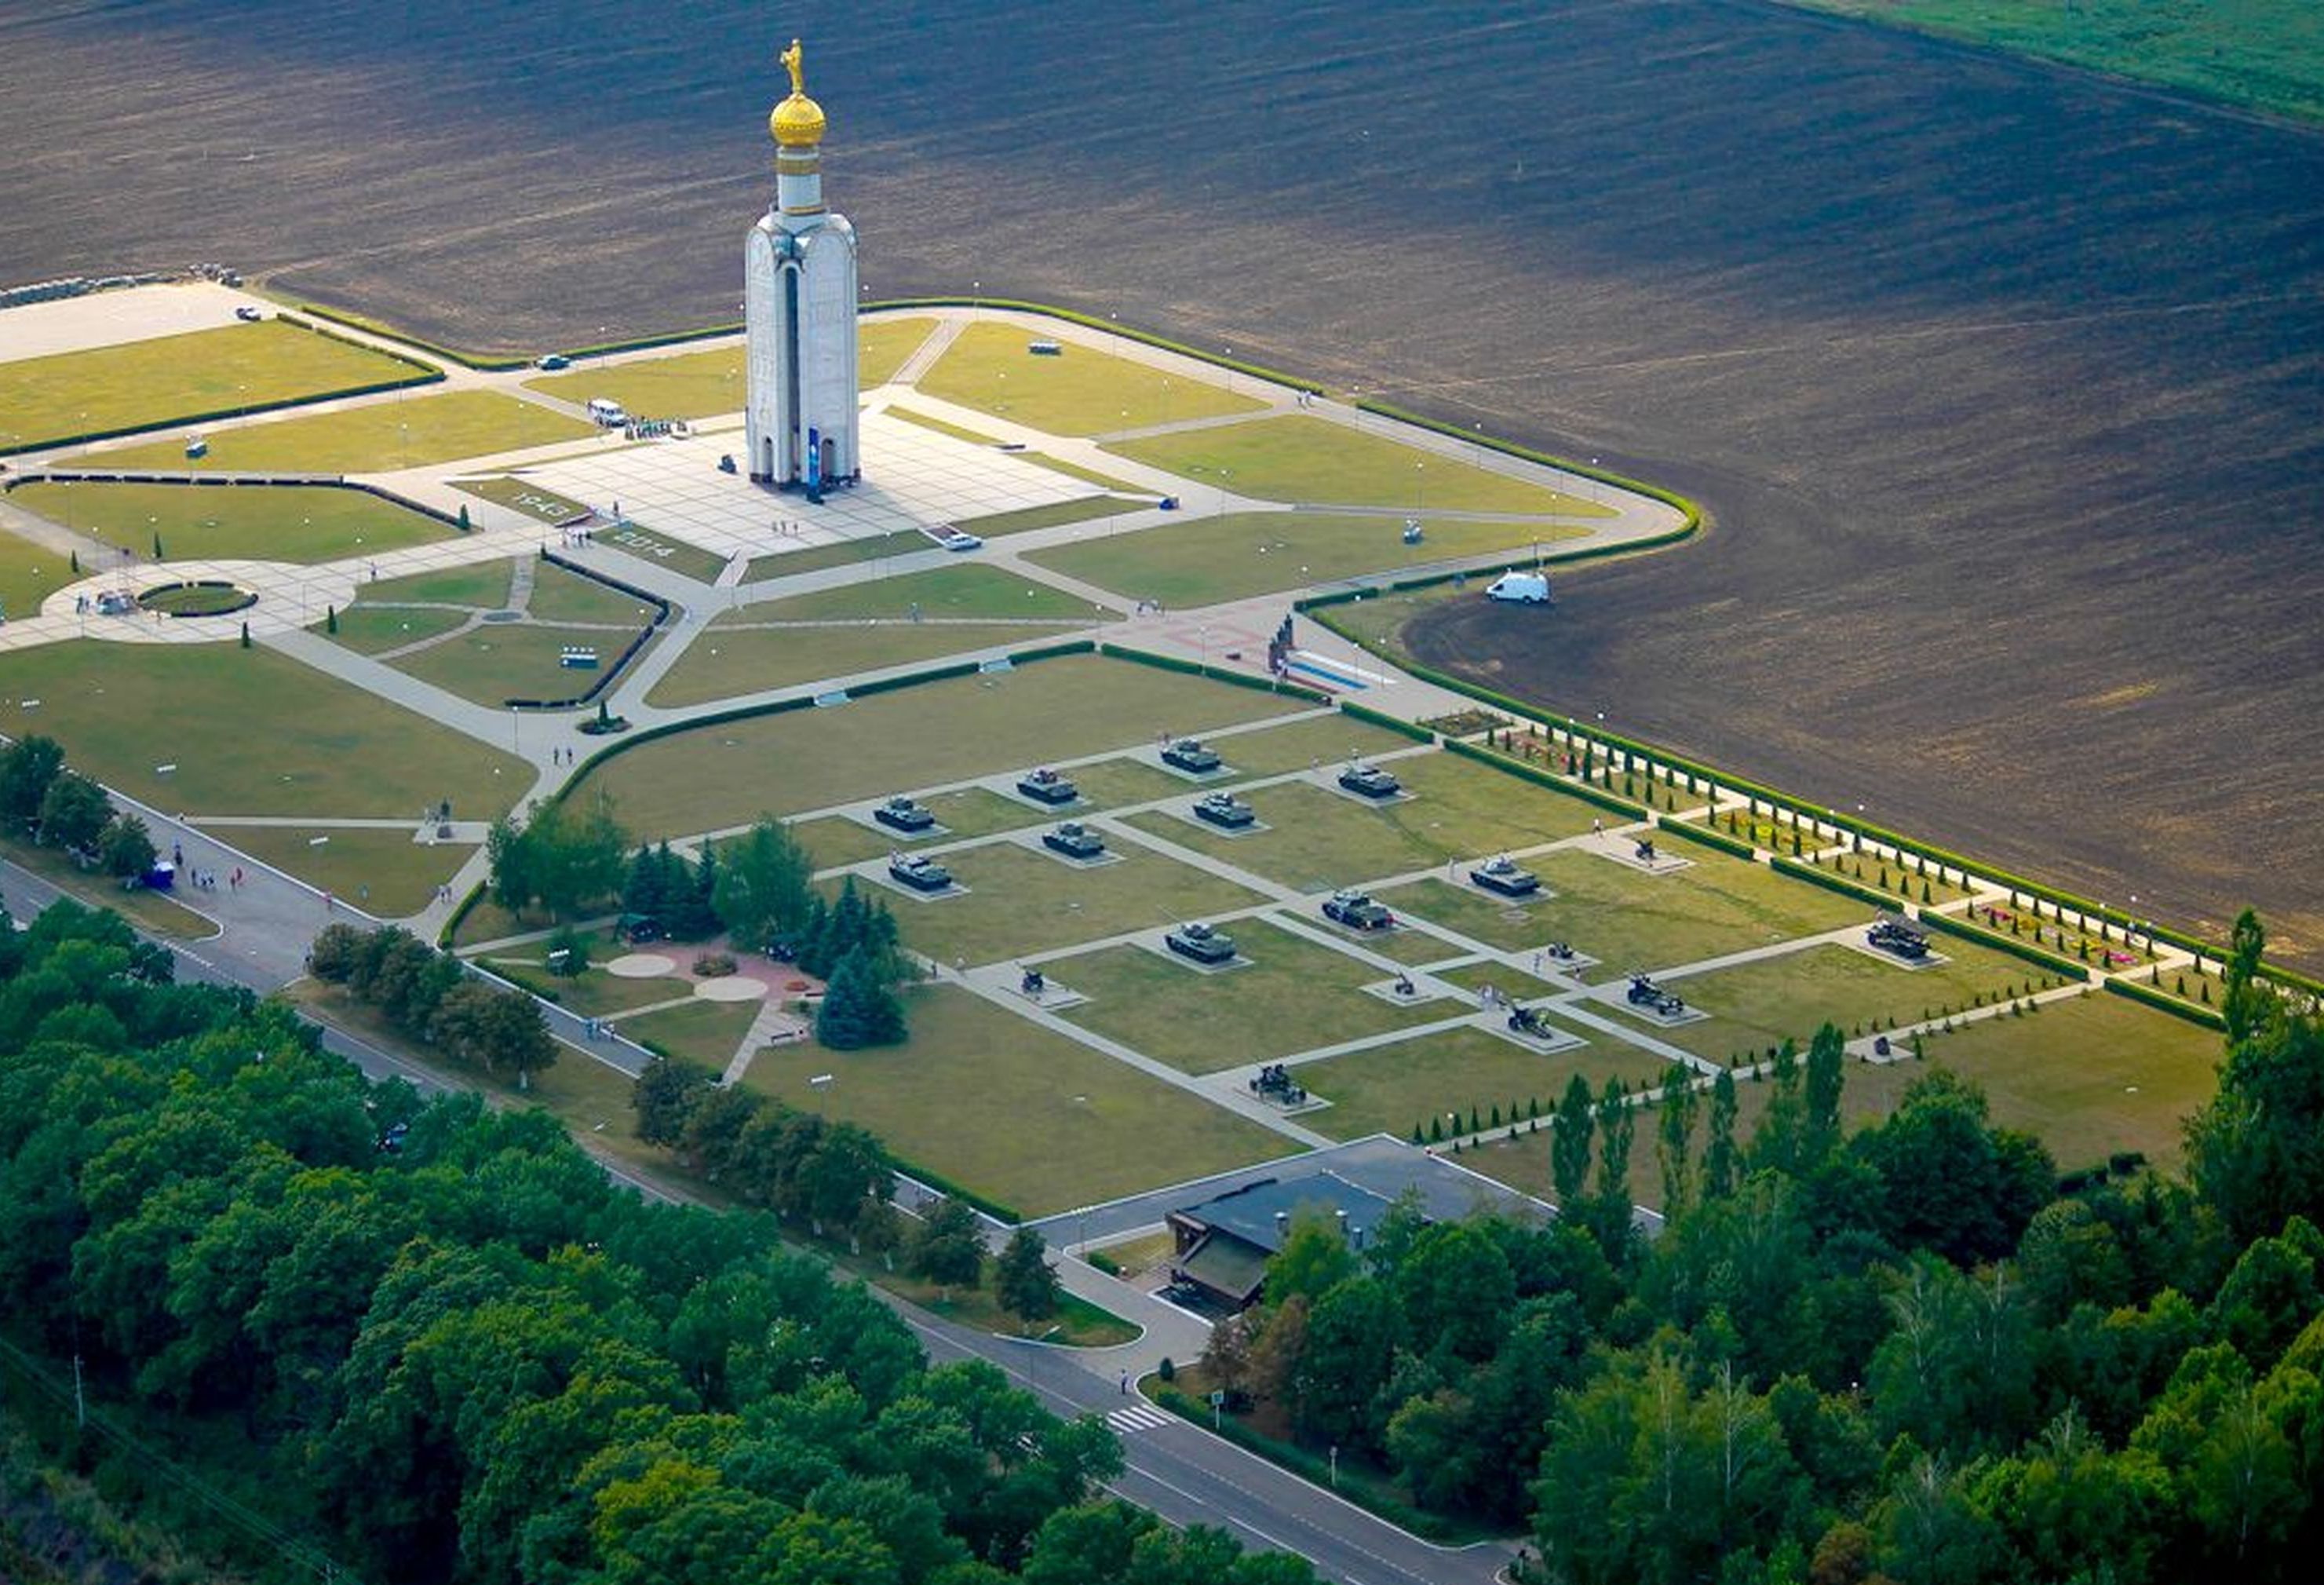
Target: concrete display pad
point(732, 988)
point(641, 966)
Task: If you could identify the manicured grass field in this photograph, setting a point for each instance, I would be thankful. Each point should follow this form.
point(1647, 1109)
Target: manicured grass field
point(1754, 1005)
point(517, 660)
point(400, 875)
point(1203, 561)
point(1314, 459)
point(729, 661)
point(702, 1032)
point(592, 993)
point(1319, 839)
point(250, 733)
point(837, 840)
point(718, 776)
point(1030, 1117)
point(1022, 901)
point(842, 553)
point(372, 630)
point(708, 381)
point(152, 382)
point(482, 586)
point(1388, 1089)
point(1509, 982)
point(966, 590)
point(929, 420)
point(1081, 392)
point(506, 490)
point(1025, 519)
point(1110, 784)
point(1088, 475)
point(376, 437)
point(1293, 996)
point(238, 523)
point(559, 595)
point(660, 551)
point(29, 574)
point(1627, 919)
point(1408, 946)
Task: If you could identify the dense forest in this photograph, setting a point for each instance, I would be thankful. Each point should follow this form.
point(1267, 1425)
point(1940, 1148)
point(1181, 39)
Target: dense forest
point(444, 1345)
point(1898, 1357)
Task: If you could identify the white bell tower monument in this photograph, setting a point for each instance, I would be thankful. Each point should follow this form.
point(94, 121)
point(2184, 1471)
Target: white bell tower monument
point(798, 313)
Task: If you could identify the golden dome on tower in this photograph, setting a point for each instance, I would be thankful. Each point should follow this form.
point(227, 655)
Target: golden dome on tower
point(798, 122)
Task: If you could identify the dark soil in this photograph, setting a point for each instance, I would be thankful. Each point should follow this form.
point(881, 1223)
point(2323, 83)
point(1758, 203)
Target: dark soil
point(2002, 384)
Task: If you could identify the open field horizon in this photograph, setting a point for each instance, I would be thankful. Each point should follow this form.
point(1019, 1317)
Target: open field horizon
point(1999, 383)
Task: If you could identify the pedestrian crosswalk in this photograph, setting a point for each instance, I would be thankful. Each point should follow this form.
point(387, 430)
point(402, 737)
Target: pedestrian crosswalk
point(1138, 1417)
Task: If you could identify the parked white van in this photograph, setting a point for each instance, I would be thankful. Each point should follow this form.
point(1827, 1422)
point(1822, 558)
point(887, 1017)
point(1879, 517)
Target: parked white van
point(607, 415)
point(1526, 589)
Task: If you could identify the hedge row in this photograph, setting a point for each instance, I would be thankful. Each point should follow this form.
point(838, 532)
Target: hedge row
point(914, 679)
point(1816, 874)
point(606, 676)
point(641, 343)
point(1542, 778)
point(1396, 724)
point(1192, 669)
point(459, 915)
point(1708, 838)
point(474, 360)
point(244, 410)
point(1050, 652)
point(2208, 1017)
point(2000, 940)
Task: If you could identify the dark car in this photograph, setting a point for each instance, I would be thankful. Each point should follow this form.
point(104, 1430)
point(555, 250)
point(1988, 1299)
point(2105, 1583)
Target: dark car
point(1506, 876)
point(1369, 781)
point(919, 872)
point(1201, 942)
point(1189, 754)
point(248, 314)
point(1357, 911)
point(1224, 808)
point(903, 815)
point(1047, 786)
point(1074, 840)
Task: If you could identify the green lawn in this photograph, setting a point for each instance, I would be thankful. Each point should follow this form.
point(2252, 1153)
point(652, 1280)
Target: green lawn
point(1627, 919)
point(400, 875)
point(702, 1032)
point(727, 774)
point(1318, 839)
point(371, 630)
point(592, 993)
point(1318, 738)
point(2268, 54)
point(1293, 996)
point(1388, 1088)
point(1088, 475)
point(1754, 1005)
point(1317, 460)
point(507, 490)
point(686, 560)
point(1082, 392)
point(1021, 901)
point(1111, 782)
point(559, 595)
point(709, 382)
point(482, 586)
point(143, 383)
point(837, 840)
point(904, 542)
point(729, 661)
point(928, 420)
point(1029, 1117)
point(1025, 519)
point(966, 590)
point(416, 432)
point(882, 344)
point(1204, 560)
point(250, 733)
point(1515, 982)
point(514, 660)
point(30, 574)
point(207, 522)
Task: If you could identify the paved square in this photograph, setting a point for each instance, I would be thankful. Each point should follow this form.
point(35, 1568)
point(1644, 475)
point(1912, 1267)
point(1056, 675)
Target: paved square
point(913, 476)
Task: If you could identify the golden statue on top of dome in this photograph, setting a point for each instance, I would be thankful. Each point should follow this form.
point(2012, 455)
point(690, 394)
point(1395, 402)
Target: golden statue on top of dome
point(794, 60)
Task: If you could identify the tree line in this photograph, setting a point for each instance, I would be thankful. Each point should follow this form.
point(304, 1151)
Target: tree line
point(59, 808)
point(570, 858)
point(473, 1358)
point(1899, 1357)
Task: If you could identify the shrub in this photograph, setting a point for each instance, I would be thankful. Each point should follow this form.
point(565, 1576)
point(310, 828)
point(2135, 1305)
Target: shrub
point(714, 965)
point(1167, 1370)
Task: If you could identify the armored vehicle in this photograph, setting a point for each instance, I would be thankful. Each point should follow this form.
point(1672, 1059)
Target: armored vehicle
point(1202, 943)
point(1047, 786)
point(920, 873)
point(900, 813)
point(1369, 781)
point(1187, 753)
point(1504, 875)
point(1900, 936)
point(1074, 840)
point(1357, 911)
point(1223, 809)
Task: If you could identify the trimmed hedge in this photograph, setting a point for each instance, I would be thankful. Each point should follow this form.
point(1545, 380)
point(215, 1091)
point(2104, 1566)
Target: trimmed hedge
point(459, 915)
point(1381, 719)
point(945, 1186)
point(2040, 956)
point(641, 343)
point(1818, 876)
point(1050, 652)
point(914, 679)
point(1710, 837)
point(2210, 1018)
point(1193, 669)
point(628, 652)
point(1542, 778)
